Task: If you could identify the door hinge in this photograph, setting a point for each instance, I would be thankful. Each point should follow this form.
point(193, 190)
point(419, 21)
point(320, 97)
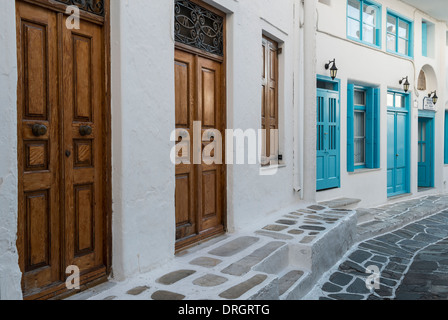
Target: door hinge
point(279, 50)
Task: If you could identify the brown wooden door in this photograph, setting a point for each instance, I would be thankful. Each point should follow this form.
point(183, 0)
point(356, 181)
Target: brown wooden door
point(200, 188)
point(61, 173)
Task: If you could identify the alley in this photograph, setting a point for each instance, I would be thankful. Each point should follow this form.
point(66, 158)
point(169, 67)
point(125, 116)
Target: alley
point(412, 263)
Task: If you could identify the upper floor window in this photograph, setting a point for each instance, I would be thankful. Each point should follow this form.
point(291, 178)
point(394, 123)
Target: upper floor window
point(364, 22)
point(399, 35)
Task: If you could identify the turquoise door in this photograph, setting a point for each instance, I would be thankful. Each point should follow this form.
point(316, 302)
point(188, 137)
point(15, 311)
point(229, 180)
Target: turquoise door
point(425, 152)
point(397, 145)
point(328, 172)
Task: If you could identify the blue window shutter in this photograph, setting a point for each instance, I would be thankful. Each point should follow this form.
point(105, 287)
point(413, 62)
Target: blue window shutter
point(376, 125)
point(370, 134)
point(424, 39)
point(350, 128)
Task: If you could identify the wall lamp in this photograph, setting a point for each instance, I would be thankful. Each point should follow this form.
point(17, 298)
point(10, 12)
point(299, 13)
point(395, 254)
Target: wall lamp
point(405, 84)
point(434, 97)
point(333, 69)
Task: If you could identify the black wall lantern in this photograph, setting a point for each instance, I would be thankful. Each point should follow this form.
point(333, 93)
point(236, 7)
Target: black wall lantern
point(434, 97)
point(333, 70)
point(405, 84)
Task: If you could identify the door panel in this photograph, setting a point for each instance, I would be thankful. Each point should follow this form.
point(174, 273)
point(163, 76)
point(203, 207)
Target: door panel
point(38, 156)
point(328, 172)
point(397, 153)
point(425, 152)
point(186, 220)
point(83, 105)
point(61, 150)
point(200, 186)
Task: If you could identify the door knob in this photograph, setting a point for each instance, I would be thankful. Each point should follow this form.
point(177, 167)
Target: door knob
point(39, 130)
point(85, 131)
point(397, 155)
point(68, 153)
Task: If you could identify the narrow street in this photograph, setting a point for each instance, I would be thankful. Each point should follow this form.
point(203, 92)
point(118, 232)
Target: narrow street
point(412, 264)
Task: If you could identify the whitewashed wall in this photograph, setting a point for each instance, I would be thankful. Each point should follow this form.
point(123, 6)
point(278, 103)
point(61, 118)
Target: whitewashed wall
point(143, 117)
point(10, 274)
point(366, 65)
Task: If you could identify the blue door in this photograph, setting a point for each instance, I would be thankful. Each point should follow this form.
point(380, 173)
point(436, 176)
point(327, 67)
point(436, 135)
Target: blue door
point(397, 145)
point(425, 152)
point(328, 172)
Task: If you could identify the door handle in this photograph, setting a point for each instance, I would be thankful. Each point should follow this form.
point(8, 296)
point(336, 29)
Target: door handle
point(85, 131)
point(39, 130)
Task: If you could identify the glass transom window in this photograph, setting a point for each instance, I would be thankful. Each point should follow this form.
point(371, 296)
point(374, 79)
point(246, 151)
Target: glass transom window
point(364, 21)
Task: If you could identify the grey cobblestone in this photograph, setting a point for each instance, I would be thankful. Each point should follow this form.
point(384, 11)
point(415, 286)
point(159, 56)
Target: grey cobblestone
point(412, 262)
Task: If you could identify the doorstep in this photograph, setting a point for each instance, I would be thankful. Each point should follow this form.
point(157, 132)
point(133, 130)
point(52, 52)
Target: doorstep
point(280, 259)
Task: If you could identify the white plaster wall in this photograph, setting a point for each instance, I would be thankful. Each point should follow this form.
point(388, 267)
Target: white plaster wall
point(10, 274)
point(142, 120)
point(375, 67)
point(252, 196)
point(143, 117)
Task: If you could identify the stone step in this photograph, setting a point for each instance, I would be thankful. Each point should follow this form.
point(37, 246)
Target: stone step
point(293, 283)
point(365, 215)
point(341, 203)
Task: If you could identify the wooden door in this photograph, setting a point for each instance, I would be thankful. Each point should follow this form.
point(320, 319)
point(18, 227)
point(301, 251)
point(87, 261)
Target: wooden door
point(200, 187)
point(62, 167)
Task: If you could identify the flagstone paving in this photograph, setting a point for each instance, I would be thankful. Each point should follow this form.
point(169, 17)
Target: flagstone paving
point(255, 264)
point(412, 264)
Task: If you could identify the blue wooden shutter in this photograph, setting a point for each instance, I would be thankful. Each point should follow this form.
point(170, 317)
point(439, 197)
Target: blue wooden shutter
point(350, 128)
point(370, 134)
point(376, 126)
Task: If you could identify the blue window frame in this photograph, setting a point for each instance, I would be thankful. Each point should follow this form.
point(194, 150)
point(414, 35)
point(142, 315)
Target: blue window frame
point(399, 35)
point(363, 127)
point(364, 22)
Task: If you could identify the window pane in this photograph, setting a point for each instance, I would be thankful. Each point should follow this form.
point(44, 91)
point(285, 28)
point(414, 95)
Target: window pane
point(369, 15)
point(391, 24)
point(360, 98)
point(353, 28)
point(359, 125)
point(391, 44)
point(399, 101)
point(390, 99)
point(422, 131)
point(403, 46)
point(403, 29)
point(354, 9)
point(359, 149)
point(369, 34)
point(422, 151)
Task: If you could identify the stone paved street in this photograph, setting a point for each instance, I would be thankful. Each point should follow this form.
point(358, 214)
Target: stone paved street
point(320, 248)
point(412, 263)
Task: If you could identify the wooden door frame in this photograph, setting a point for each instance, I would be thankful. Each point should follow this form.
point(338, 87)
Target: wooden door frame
point(223, 61)
point(59, 291)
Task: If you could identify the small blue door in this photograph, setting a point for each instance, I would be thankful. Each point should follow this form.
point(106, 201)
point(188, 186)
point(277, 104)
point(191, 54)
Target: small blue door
point(397, 144)
point(328, 169)
point(425, 152)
